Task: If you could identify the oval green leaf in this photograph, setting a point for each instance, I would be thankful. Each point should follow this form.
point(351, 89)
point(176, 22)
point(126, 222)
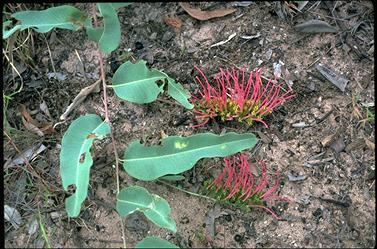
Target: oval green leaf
point(64, 17)
point(136, 83)
point(110, 37)
point(179, 93)
point(178, 154)
point(75, 158)
point(154, 242)
point(155, 208)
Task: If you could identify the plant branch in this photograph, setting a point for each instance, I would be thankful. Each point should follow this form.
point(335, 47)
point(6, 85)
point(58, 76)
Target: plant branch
point(188, 192)
point(105, 102)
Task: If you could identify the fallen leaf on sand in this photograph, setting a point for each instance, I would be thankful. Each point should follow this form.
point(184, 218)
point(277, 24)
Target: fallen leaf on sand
point(80, 98)
point(205, 15)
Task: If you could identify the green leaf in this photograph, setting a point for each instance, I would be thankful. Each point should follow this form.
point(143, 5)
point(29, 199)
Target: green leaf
point(136, 83)
point(75, 158)
point(94, 34)
point(154, 242)
point(155, 208)
point(178, 154)
point(179, 93)
point(110, 38)
point(172, 178)
point(64, 17)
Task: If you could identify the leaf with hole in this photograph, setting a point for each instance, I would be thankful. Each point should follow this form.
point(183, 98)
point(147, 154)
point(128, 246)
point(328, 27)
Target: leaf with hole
point(177, 154)
point(75, 158)
point(154, 242)
point(64, 17)
point(138, 84)
point(155, 208)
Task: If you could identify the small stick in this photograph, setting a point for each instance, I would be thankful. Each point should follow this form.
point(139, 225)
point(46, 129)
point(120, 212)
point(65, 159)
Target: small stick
point(49, 52)
point(105, 101)
point(320, 120)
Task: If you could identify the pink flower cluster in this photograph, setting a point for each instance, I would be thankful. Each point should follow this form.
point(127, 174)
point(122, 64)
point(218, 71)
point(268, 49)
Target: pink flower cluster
point(236, 96)
point(238, 181)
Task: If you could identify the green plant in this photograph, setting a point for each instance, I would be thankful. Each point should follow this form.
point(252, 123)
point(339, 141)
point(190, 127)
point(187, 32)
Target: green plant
point(135, 83)
point(236, 184)
point(138, 84)
point(236, 96)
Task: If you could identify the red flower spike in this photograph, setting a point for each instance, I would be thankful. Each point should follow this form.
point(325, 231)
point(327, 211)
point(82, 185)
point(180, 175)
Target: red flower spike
point(231, 97)
point(238, 181)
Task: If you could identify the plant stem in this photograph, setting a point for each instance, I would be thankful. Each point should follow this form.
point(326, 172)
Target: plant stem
point(105, 101)
point(188, 192)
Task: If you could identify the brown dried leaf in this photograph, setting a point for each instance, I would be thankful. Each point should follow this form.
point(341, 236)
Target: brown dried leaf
point(173, 21)
point(31, 127)
point(47, 128)
point(370, 144)
point(25, 113)
point(205, 15)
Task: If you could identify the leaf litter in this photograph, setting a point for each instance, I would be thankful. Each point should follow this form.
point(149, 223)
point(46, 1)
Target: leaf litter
point(205, 15)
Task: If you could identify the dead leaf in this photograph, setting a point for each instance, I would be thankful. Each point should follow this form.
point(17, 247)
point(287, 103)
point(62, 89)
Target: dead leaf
point(47, 128)
point(205, 15)
point(25, 113)
point(295, 178)
point(328, 140)
point(338, 80)
point(315, 26)
point(28, 154)
point(31, 127)
point(370, 144)
point(13, 216)
point(44, 108)
point(80, 98)
point(173, 21)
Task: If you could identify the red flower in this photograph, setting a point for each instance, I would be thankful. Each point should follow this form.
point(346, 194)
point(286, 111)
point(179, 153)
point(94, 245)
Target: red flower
point(238, 183)
point(234, 96)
